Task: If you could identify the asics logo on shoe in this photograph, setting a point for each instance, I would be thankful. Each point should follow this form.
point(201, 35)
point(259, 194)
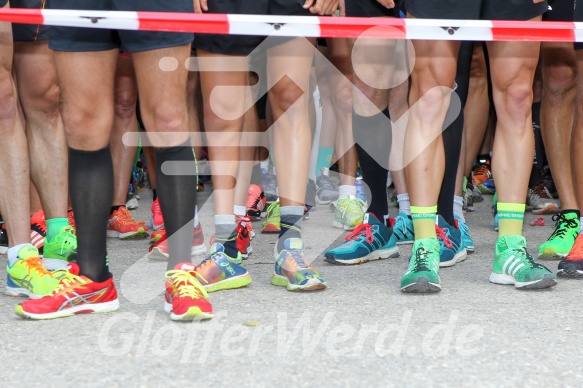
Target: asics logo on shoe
point(228, 267)
point(512, 265)
point(77, 299)
point(23, 282)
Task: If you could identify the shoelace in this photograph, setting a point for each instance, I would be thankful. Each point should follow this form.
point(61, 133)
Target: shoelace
point(562, 224)
point(362, 230)
point(421, 263)
point(68, 280)
point(442, 235)
point(35, 264)
point(530, 259)
point(125, 217)
point(187, 285)
point(354, 204)
point(541, 191)
point(298, 257)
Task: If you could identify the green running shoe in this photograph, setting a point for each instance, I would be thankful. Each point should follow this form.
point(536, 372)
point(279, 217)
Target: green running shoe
point(561, 241)
point(28, 276)
point(60, 250)
point(349, 212)
point(422, 276)
point(514, 265)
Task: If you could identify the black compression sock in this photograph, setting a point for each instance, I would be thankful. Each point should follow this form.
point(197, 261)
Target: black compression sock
point(115, 208)
point(154, 195)
point(91, 190)
point(177, 199)
point(372, 136)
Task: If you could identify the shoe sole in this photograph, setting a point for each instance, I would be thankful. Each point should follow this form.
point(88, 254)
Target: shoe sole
point(270, 228)
point(546, 282)
point(422, 286)
point(569, 273)
point(106, 307)
point(458, 258)
point(192, 314)
point(406, 242)
point(140, 234)
point(551, 255)
point(380, 254)
point(19, 292)
point(550, 209)
point(158, 255)
point(312, 285)
point(230, 284)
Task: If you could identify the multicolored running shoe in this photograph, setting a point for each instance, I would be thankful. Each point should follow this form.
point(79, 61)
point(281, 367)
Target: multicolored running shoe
point(371, 240)
point(28, 276)
point(272, 223)
point(514, 265)
point(74, 295)
point(220, 272)
point(292, 270)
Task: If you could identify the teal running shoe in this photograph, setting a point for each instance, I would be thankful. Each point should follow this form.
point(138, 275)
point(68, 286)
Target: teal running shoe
point(403, 229)
point(467, 240)
point(371, 240)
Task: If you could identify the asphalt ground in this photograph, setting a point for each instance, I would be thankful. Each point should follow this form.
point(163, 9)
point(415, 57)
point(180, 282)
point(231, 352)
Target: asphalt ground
point(361, 331)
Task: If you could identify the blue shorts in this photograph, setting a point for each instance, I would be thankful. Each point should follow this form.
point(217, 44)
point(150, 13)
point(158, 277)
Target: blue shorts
point(75, 39)
point(29, 32)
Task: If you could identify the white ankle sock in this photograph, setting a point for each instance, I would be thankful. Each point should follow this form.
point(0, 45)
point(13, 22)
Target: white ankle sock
point(404, 203)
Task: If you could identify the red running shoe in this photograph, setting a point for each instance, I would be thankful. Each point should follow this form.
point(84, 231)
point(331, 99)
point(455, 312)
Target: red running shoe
point(38, 230)
point(157, 220)
point(74, 295)
point(159, 248)
point(186, 298)
point(256, 202)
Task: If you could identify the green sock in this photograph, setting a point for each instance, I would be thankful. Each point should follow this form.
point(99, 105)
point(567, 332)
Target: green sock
point(510, 218)
point(424, 221)
point(54, 226)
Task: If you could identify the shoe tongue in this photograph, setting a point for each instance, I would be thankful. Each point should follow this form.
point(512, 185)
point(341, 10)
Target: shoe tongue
point(217, 247)
point(370, 219)
point(511, 242)
point(294, 244)
point(28, 252)
point(185, 267)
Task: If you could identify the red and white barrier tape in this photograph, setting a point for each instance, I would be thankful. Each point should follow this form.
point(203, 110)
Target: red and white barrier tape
point(307, 26)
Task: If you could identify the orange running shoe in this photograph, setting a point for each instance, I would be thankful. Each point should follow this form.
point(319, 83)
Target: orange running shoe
point(157, 220)
point(38, 230)
point(256, 202)
point(159, 249)
point(122, 225)
point(71, 218)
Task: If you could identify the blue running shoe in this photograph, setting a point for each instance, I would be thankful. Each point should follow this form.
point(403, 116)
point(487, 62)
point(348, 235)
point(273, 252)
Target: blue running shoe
point(221, 272)
point(451, 249)
point(467, 241)
point(371, 240)
point(487, 187)
point(403, 229)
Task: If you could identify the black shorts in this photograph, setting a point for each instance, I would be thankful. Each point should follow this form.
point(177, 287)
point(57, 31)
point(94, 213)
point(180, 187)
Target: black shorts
point(245, 44)
point(476, 9)
point(29, 32)
point(560, 11)
point(370, 8)
point(3, 3)
point(75, 39)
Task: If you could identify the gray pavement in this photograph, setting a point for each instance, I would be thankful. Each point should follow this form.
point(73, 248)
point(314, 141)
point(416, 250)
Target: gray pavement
point(360, 331)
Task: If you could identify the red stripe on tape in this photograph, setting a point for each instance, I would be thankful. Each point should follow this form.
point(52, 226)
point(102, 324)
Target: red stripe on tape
point(184, 22)
point(24, 16)
point(352, 27)
point(505, 30)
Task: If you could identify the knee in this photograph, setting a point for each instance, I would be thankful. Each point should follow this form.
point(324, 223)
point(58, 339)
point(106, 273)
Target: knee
point(285, 94)
point(557, 81)
point(168, 117)
point(43, 100)
point(125, 105)
point(517, 102)
point(343, 98)
point(433, 102)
